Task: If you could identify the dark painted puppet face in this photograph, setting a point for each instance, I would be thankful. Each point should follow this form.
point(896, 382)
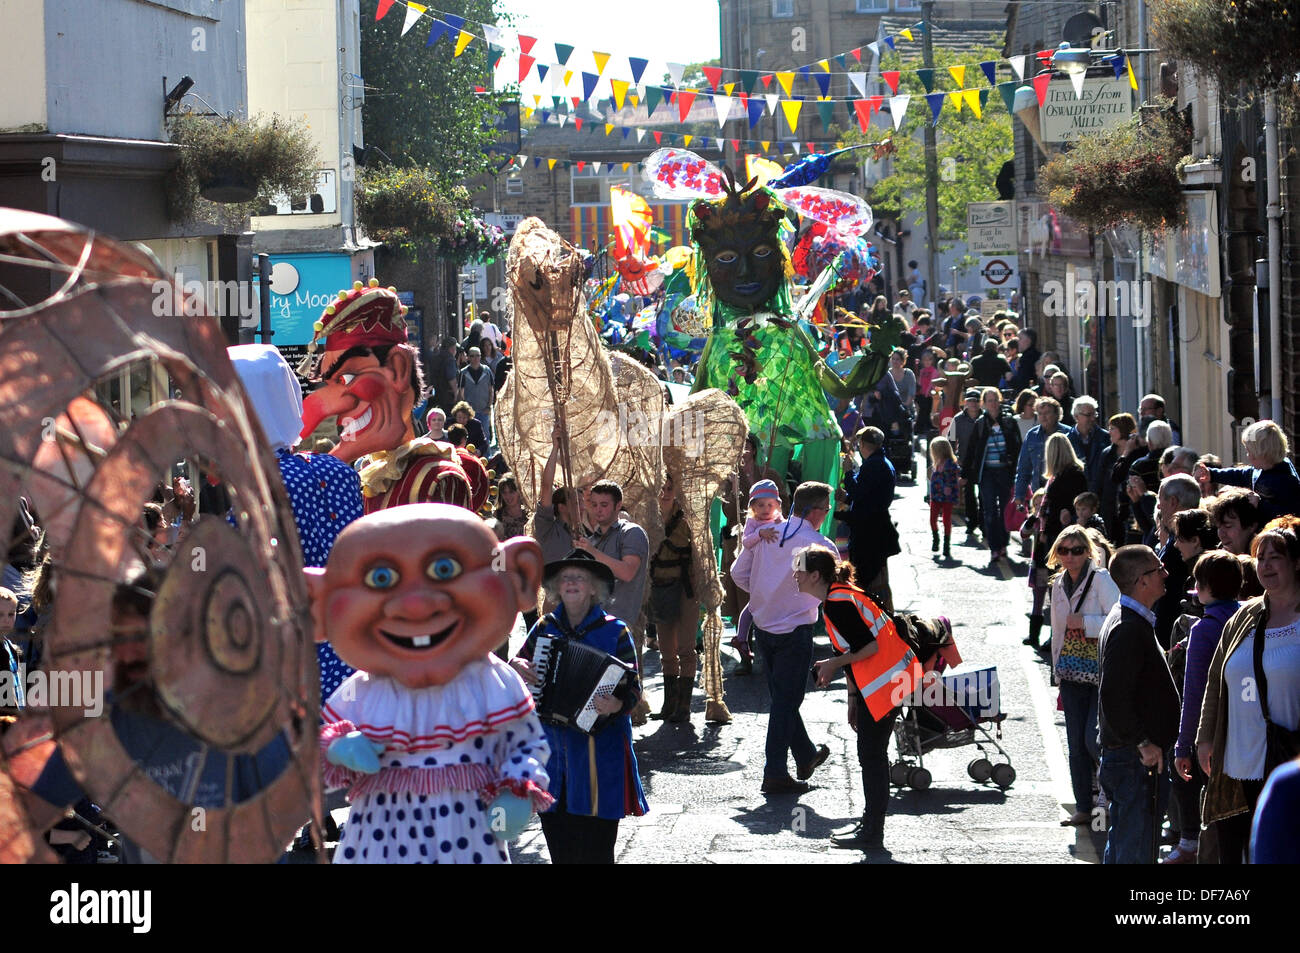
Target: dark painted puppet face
point(741, 249)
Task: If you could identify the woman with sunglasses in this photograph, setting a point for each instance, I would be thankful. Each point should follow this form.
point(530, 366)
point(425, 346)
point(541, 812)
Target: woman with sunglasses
point(1082, 596)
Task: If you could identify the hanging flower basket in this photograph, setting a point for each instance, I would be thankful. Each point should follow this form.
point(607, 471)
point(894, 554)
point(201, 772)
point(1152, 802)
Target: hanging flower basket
point(1253, 44)
point(1128, 175)
point(238, 162)
point(413, 211)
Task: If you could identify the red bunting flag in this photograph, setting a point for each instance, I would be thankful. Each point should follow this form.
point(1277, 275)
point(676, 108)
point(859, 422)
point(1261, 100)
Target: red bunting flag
point(525, 65)
point(863, 108)
point(659, 137)
point(1045, 56)
point(767, 79)
point(891, 77)
point(577, 101)
point(685, 99)
point(526, 43)
point(1040, 87)
point(735, 144)
point(384, 7)
point(876, 102)
point(714, 75)
point(582, 164)
point(577, 121)
point(857, 54)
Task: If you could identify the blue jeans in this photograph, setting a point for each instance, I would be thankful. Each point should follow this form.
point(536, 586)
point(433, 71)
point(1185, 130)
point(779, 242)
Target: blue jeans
point(486, 420)
point(1127, 782)
point(1080, 703)
point(787, 657)
point(995, 494)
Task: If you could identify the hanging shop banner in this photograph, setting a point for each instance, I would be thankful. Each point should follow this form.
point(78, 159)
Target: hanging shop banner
point(301, 288)
point(1041, 231)
point(1105, 102)
point(990, 227)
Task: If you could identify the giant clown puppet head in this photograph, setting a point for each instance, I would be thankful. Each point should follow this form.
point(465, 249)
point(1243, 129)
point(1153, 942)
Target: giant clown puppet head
point(418, 592)
point(368, 374)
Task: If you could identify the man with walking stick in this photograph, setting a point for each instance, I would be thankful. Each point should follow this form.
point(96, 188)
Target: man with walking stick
point(1137, 710)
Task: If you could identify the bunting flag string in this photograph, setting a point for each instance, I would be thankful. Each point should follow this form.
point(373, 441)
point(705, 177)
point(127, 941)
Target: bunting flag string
point(638, 65)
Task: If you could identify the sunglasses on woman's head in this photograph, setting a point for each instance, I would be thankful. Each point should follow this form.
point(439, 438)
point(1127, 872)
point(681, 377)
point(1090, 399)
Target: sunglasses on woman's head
point(1072, 550)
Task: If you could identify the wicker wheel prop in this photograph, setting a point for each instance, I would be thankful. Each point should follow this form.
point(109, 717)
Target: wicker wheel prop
point(223, 668)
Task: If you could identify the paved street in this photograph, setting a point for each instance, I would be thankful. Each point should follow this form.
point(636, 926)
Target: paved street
point(702, 782)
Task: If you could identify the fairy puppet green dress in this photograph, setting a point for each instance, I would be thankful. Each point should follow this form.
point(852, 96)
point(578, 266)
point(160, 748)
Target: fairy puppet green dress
point(757, 351)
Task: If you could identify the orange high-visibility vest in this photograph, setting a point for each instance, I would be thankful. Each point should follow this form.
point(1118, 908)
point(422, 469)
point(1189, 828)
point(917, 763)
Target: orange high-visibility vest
point(894, 672)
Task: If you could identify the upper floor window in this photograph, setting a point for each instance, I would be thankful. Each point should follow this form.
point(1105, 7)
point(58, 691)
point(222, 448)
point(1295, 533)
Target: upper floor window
point(907, 4)
point(872, 6)
point(782, 8)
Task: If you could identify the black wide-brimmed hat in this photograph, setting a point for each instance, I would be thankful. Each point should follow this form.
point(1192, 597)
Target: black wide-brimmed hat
point(578, 559)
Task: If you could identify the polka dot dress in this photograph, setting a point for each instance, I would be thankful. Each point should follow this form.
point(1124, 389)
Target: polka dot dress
point(484, 718)
point(326, 496)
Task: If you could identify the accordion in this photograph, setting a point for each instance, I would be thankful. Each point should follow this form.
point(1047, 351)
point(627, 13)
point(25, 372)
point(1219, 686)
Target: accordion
point(570, 677)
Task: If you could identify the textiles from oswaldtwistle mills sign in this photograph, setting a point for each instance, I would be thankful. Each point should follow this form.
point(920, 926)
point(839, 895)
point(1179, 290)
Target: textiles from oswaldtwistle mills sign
point(1105, 102)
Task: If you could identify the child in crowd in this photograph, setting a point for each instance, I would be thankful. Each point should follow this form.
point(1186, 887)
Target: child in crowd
point(925, 387)
point(945, 490)
point(1086, 507)
point(764, 514)
point(1029, 528)
point(11, 699)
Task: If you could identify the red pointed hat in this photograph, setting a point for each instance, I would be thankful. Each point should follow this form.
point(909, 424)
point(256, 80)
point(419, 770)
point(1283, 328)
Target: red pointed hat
point(365, 316)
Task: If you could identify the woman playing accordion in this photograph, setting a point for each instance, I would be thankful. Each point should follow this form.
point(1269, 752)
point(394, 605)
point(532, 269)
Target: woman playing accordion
point(594, 777)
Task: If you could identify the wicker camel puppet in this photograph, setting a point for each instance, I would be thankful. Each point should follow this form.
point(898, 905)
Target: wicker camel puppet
point(613, 421)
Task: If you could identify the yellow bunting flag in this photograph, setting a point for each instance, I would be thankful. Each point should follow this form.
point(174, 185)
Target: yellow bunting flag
point(972, 97)
point(824, 66)
point(686, 141)
point(568, 75)
point(625, 165)
point(537, 101)
point(550, 163)
point(619, 86)
point(791, 108)
point(609, 127)
point(767, 145)
point(728, 87)
point(785, 79)
point(959, 74)
point(906, 34)
point(955, 97)
point(525, 111)
point(636, 100)
point(1132, 80)
point(601, 59)
point(462, 41)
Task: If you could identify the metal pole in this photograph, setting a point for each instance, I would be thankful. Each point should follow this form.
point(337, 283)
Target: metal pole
point(264, 299)
point(1273, 159)
point(931, 162)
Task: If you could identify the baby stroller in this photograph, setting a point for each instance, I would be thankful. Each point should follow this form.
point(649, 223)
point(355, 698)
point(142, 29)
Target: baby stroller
point(899, 451)
point(947, 711)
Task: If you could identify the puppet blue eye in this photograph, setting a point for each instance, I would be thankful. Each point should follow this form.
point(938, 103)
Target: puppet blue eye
point(444, 567)
point(381, 577)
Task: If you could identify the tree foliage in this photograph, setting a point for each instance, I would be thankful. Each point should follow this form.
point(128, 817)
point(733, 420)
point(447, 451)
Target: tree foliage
point(421, 108)
point(1240, 43)
point(978, 147)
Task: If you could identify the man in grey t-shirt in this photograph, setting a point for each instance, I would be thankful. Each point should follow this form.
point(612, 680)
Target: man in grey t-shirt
point(621, 545)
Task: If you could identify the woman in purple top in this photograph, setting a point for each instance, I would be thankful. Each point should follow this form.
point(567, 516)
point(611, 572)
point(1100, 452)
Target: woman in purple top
point(1218, 580)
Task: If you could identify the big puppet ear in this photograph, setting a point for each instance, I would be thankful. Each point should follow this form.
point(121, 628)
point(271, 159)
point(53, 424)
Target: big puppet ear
point(398, 363)
point(524, 563)
point(316, 589)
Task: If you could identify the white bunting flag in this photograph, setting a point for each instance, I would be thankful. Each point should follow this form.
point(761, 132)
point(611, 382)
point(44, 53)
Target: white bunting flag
point(772, 100)
point(413, 13)
point(723, 105)
point(898, 108)
point(859, 81)
point(1077, 80)
point(640, 134)
point(675, 71)
point(1018, 64)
